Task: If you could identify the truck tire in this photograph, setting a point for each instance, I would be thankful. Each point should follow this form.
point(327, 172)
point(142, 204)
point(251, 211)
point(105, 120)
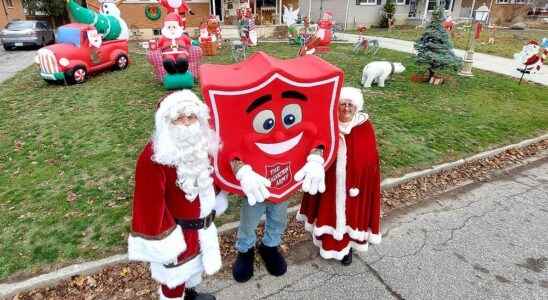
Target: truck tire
point(121, 62)
point(7, 48)
point(77, 75)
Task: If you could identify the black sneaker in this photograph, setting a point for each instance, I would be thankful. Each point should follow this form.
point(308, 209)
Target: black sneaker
point(192, 294)
point(274, 262)
point(242, 270)
point(347, 259)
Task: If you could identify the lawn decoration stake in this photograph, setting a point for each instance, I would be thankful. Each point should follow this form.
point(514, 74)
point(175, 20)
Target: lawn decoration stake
point(108, 21)
point(270, 115)
point(531, 58)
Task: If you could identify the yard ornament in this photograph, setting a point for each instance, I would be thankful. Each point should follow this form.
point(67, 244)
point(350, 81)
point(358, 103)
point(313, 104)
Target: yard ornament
point(319, 43)
point(179, 7)
point(246, 26)
point(531, 58)
point(379, 72)
point(107, 21)
point(290, 15)
point(270, 115)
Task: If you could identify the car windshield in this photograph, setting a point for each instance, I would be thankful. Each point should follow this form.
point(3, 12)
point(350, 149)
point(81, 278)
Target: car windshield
point(66, 35)
point(20, 25)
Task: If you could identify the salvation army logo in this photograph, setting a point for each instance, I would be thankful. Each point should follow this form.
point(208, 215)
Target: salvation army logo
point(279, 175)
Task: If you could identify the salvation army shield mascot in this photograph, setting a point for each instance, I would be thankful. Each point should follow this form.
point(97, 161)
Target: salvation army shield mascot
point(175, 202)
point(277, 123)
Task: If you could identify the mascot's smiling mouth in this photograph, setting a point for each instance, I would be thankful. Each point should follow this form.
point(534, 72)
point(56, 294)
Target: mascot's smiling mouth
point(279, 148)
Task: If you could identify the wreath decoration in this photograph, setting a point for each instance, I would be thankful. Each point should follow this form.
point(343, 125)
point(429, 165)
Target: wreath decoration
point(153, 12)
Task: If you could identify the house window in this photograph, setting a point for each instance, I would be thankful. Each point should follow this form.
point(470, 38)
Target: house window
point(433, 4)
point(504, 1)
point(366, 2)
point(9, 3)
point(520, 1)
point(400, 2)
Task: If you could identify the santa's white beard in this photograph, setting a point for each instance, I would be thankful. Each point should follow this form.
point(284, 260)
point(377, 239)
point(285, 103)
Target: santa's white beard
point(173, 34)
point(186, 148)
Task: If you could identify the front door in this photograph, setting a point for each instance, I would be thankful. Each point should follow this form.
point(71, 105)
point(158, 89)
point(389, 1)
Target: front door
point(216, 8)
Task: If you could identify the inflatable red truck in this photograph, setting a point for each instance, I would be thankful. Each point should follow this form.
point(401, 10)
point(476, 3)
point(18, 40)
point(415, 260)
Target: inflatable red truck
point(80, 51)
point(271, 114)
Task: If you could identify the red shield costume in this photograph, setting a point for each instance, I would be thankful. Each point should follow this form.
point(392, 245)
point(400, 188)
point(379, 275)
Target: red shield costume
point(270, 114)
point(347, 214)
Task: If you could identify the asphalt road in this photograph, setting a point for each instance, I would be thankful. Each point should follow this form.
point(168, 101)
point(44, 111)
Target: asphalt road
point(13, 61)
point(483, 241)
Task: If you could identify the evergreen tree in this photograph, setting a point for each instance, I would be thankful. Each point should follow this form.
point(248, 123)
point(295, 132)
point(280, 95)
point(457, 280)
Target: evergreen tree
point(388, 12)
point(434, 48)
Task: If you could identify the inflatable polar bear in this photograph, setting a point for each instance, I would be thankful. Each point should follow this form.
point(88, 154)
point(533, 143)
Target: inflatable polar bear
point(379, 71)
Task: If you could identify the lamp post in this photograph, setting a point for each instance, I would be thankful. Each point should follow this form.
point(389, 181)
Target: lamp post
point(479, 16)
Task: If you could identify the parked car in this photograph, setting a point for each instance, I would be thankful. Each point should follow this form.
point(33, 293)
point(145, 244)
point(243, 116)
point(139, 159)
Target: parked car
point(26, 33)
point(74, 57)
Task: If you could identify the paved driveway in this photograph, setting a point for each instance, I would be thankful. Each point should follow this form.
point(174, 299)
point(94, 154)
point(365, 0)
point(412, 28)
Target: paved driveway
point(13, 61)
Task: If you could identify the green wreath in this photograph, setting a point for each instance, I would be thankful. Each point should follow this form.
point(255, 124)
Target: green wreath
point(153, 12)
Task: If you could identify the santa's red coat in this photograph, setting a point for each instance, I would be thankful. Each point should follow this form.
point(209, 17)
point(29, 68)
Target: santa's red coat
point(358, 210)
point(156, 238)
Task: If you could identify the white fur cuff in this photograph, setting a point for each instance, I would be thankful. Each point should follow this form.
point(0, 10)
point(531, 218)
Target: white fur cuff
point(159, 251)
point(374, 238)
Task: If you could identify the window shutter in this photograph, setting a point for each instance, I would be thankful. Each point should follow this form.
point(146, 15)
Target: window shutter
point(358, 2)
point(379, 2)
point(406, 2)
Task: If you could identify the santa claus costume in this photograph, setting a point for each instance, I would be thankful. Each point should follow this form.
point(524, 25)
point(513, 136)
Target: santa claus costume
point(174, 202)
point(174, 45)
point(347, 215)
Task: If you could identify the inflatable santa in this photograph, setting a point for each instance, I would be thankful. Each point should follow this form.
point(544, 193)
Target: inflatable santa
point(180, 7)
point(174, 45)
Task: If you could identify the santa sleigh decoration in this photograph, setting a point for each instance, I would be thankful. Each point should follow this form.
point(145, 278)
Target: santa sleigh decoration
point(531, 58)
point(270, 115)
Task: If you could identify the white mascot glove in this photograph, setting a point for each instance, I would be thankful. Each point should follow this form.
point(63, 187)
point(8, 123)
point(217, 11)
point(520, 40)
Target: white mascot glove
point(253, 185)
point(313, 174)
point(221, 203)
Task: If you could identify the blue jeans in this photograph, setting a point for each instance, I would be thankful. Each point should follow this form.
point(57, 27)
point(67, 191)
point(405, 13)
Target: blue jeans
point(250, 216)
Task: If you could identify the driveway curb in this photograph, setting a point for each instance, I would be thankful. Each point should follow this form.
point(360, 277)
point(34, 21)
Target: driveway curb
point(10, 289)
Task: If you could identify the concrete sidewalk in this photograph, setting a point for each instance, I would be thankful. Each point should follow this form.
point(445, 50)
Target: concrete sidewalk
point(12, 62)
point(492, 63)
point(482, 241)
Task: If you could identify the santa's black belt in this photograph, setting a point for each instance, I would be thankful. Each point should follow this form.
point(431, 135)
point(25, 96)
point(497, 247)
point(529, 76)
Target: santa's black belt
point(197, 223)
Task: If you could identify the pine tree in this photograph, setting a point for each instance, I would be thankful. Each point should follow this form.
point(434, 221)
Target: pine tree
point(387, 13)
point(434, 48)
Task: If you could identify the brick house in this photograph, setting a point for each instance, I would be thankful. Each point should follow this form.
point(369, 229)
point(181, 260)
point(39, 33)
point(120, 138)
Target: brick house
point(133, 12)
point(10, 10)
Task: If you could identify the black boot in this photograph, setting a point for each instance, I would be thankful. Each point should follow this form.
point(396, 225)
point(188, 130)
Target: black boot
point(181, 65)
point(347, 259)
point(169, 66)
point(242, 270)
point(192, 294)
point(274, 262)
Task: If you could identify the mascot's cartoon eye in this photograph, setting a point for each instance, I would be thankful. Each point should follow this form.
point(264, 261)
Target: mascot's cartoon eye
point(264, 121)
point(292, 115)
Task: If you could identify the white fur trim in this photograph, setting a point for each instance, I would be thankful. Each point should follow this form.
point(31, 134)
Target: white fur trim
point(352, 95)
point(163, 297)
point(209, 241)
point(159, 251)
point(176, 276)
point(374, 238)
point(340, 190)
point(353, 192)
point(339, 255)
point(194, 281)
point(358, 235)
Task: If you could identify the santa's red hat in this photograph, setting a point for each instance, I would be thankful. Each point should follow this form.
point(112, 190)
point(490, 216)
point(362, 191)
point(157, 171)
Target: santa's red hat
point(174, 17)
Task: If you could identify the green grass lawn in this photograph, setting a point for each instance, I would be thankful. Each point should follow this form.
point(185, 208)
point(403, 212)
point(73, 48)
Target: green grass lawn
point(507, 42)
point(68, 153)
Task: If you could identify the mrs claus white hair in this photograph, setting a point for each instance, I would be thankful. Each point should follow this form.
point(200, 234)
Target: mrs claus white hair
point(185, 147)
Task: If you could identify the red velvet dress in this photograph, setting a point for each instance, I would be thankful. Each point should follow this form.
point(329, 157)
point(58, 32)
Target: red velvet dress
point(347, 214)
point(175, 255)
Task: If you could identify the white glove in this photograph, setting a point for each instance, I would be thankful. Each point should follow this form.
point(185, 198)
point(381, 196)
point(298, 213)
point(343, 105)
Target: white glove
point(253, 185)
point(313, 174)
point(221, 203)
